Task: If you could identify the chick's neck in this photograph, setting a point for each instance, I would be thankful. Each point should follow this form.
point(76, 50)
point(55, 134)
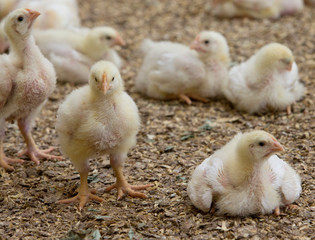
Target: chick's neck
point(244, 167)
point(23, 48)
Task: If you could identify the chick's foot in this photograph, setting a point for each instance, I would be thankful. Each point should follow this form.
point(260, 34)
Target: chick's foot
point(5, 161)
point(123, 186)
point(35, 154)
point(83, 196)
point(198, 98)
point(184, 98)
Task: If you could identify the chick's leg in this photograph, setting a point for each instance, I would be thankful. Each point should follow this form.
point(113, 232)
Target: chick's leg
point(121, 184)
point(198, 98)
point(5, 161)
point(84, 193)
point(185, 98)
point(32, 151)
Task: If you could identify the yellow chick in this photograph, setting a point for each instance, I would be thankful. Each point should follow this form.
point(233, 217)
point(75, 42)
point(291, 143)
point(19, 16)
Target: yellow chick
point(99, 119)
point(269, 79)
point(245, 177)
point(74, 52)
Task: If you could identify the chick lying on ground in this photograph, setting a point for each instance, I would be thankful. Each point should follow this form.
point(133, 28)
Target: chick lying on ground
point(245, 177)
point(74, 52)
point(269, 79)
point(255, 8)
point(172, 70)
point(95, 120)
point(27, 78)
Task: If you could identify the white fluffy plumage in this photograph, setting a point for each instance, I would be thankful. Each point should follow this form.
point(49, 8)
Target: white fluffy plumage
point(245, 177)
point(99, 119)
point(172, 70)
point(74, 52)
point(255, 8)
point(27, 78)
point(269, 79)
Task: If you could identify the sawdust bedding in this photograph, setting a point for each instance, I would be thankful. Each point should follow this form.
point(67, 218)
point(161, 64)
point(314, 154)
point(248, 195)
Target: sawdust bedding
point(173, 140)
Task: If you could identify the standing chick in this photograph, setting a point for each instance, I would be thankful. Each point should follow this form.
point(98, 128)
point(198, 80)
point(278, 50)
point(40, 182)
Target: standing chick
point(74, 52)
point(245, 177)
point(27, 78)
point(99, 119)
point(269, 79)
point(172, 70)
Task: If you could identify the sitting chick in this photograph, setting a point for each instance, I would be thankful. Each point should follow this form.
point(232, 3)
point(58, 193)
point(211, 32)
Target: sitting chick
point(74, 52)
point(172, 70)
point(269, 79)
point(99, 119)
point(255, 8)
point(245, 177)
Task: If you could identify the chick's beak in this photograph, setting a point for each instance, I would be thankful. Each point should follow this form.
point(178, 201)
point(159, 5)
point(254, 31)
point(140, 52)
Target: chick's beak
point(195, 45)
point(276, 147)
point(289, 67)
point(119, 41)
point(105, 84)
point(33, 14)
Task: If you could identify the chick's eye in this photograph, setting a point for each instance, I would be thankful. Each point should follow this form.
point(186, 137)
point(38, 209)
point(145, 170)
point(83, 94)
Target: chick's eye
point(261, 144)
point(95, 79)
point(206, 41)
point(113, 78)
point(109, 38)
point(20, 18)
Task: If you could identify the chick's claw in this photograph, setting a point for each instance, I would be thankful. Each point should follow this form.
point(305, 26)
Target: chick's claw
point(36, 154)
point(130, 189)
point(83, 199)
point(5, 161)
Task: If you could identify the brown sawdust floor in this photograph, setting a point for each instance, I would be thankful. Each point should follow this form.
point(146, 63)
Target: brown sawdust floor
point(170, 143)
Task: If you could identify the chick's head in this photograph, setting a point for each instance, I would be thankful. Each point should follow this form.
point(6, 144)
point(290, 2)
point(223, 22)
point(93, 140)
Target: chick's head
point(260, 145)
point(211, 44)
point(104, 38)
point(275, 56)
point(19, 22)
point(105, 78)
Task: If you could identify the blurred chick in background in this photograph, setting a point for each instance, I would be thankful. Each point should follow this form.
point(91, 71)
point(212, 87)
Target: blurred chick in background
point(175, 71)
point(74, 52)
point(267, 80)
point(255, 8)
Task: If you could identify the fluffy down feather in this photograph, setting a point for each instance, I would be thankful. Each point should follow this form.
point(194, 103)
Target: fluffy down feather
point(74, 52)
point(269, 79)
point(95, 120)
point(245, 177)
point(172, 70)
